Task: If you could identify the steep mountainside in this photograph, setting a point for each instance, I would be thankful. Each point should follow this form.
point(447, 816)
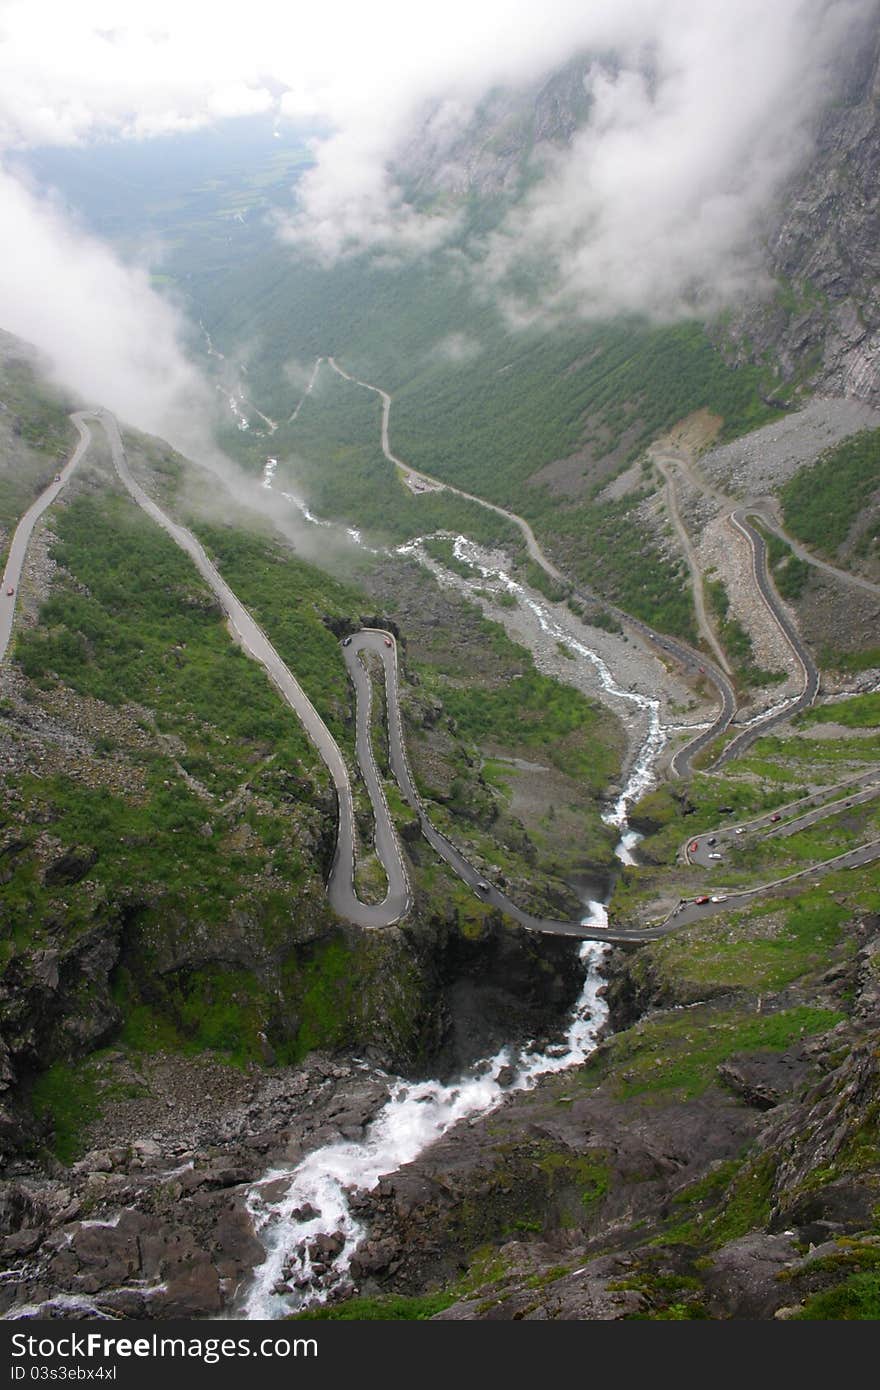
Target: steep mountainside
point(167, 829)
point(822, 328)
point(181, 1013)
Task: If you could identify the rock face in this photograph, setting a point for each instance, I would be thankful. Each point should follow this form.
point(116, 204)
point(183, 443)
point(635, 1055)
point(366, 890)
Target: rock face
point(771, 1174)
point(490, 156)
point(156, 1229)
point(824, 329)
point(581, 1198)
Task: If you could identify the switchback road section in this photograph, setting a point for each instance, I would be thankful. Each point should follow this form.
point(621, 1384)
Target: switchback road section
point(254, 641)
point(340, 886)
point(809, 671)
point(693, 661)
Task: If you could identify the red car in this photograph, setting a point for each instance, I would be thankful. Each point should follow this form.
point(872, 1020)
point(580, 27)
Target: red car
point(693, 846)
point(388, 642)
point(776, 816)
point(703, 898)
point(11, 590)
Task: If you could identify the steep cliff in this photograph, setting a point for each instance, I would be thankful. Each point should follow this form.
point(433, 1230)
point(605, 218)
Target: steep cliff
point(821, 328)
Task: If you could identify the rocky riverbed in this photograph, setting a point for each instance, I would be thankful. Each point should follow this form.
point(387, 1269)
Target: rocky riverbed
point(559, 1203)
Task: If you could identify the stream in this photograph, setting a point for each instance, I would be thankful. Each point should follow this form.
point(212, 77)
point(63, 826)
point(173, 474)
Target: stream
point(641, 774)
point(303, 1214)
point(309, 1231)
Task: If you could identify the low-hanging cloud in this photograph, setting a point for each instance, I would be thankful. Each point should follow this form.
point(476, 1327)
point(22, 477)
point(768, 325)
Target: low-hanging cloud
point(107, 334)
point(658, 203)
point(109, 338)
point(699, 112)
point(661, 202)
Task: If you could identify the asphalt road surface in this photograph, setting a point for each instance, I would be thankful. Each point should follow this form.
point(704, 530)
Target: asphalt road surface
point(666, 467)
point(21, 540)
point(809, 670)
point(250, 636)
point(383, 645)
point(784, 820)
point(340, 886)
point(765, 514)
point(722, 901)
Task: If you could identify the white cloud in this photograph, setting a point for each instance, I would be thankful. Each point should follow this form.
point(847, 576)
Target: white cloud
point(657, 204)
point(108, 335)
point(660, 202)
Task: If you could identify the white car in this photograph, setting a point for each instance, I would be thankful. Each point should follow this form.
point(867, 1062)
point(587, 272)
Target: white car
point(714, 856)
point(718, 898)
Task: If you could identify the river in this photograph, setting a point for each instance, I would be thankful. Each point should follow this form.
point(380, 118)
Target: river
point(303, 1214)
point(315, 1200)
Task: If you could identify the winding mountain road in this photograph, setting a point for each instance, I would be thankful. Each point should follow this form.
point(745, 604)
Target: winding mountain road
point(253, 640)
point(382, 644)
point(692, 660)
point(729, 900)
point(809, 670)
point(784, 820)
point(255, 643)
point(665, 465)
point(763, 509)
point(21, 539)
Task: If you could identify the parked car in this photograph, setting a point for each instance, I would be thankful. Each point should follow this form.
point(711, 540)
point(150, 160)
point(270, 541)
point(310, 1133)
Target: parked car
point(388, 642)
point(712, 840)
point(11, 590)
point(714, 856)
point(740, 830)
point(346, 641)
point(718, 898)
point(776, 816)
point(694, 846)
point(483, 886)
point(703, 898)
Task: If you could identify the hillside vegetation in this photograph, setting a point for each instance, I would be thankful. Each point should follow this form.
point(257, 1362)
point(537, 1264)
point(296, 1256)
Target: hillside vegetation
point(536, 419)
point(837, 500)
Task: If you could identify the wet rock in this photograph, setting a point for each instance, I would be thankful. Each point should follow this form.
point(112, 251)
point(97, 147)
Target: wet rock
point(234, 1245)
point(304, 1213)
point(107, 1255)
point(192, 1290)
point(226, 1175)
point(372, 1257)
point(22, 1242)
point(327, 1247)
point(128, 1303)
